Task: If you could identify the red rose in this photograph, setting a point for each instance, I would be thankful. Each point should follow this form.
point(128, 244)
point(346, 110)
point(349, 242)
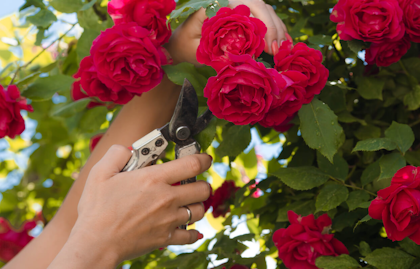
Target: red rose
point(385, 54)
point(149, 14)
point(237, 266)
point(93, 86)
point(369, 20)
point(94, 141)
point(305, 60)
point(125, 58)
point(411, 17)
point(398, 206)
point(11, 121)
point(293, 97)
point(305, 240)
point(223, 197)
point(242, 93)
point(11, 241)
point(77, 94)
point(231, 31)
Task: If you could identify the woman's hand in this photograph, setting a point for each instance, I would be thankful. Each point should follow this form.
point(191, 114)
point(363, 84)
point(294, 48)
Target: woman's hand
point(185, 39)
point(125, 215)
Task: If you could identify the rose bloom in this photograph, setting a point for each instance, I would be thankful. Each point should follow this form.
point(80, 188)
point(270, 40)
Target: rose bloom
point(12, 241)
point(77, 94)
point(223, 197)
point(11, 121)
point(369, 20)
point(231, 31)
point(306, 239)
point(385, 54)
point(237, 266)
point(411, 17)
point(285, 125)
point(150, 14)
point(293, 97)
point(398, 206)
point(94, 87)
point(242, 93)
point(306, 60)
point(126, 59)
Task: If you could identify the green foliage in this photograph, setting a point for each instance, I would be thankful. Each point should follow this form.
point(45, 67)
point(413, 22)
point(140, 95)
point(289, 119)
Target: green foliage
point(309, 177)
point(320, 128)
point(340, 262)
point(389, 258)
point(331, 196)
point(44, 88)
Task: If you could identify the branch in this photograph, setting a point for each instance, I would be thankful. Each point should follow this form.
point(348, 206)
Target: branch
point(39, 54)
point(353, 187)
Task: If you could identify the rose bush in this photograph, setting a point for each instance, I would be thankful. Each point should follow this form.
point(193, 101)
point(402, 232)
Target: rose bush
point(344, 94)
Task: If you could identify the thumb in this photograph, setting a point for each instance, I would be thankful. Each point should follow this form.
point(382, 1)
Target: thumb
point(113, 161)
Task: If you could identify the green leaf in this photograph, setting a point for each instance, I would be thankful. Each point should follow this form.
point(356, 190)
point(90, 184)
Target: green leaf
point(40, 35)
point(302, 208)
point(28, 79)
point(88, 19)
point(331, 196)
point(356, 198)
point(45, 88)
point(371, 173)
point(346, 117)
point(321, 40)
point(339, 169)
point(43, 18)
point(177, 74)
point(88, 5)
point(320, 128)
point(93, 119)
point(356, 45)
point(413, 157)
point(375, 144)
point(85, 42)
point(190, 7)
point(389, 258)
point(235, 140)
point(412, 99)
point(343, 220)
point(205, 137)
point(340, 262)
point(401, 134)
point(71, 109)
point(67, 6)
point(390, 164)
point(364, 248)
point(365, 219)
point(370, 87)
point(410, 247)
point(296, 30)
point(302, 178)
point(335, 98)
point(368, 131)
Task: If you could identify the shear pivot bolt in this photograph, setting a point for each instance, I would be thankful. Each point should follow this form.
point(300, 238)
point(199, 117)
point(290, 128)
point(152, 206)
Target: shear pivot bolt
point(183, 132)
point(145, 151)
point(159, 143)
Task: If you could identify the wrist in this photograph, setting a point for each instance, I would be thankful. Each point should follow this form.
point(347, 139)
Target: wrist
point(86, 249)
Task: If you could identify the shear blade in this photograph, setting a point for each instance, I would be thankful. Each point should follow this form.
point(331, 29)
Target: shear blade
point(186, 110)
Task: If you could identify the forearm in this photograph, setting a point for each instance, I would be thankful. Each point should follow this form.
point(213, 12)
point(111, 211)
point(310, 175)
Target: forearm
point(143, 114)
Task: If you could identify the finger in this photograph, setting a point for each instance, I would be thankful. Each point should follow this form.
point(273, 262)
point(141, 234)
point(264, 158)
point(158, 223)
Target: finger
point(197, 213)
point(177, 170)
point(281, 34)
point(113, 161)
point(184, 237)
point(259, 10)
point(192, 193)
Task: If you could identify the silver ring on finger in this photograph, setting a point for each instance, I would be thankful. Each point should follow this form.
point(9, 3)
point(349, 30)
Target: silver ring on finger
point(189, 214)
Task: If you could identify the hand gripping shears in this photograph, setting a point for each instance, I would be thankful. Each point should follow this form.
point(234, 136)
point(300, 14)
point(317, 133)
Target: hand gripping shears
point(181, 130)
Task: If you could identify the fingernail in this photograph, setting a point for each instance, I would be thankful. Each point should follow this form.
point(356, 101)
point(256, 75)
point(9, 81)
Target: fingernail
point(199, 236)
point(275, 47)
point(289, 37)
point(130, 148)
point(211, 157)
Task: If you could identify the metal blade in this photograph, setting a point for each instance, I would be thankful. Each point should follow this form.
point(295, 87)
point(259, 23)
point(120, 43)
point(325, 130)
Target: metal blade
point(202, 122)
point(185, 115)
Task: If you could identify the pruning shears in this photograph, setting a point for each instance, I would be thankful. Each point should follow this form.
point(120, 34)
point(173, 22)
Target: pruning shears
point(181, 130)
